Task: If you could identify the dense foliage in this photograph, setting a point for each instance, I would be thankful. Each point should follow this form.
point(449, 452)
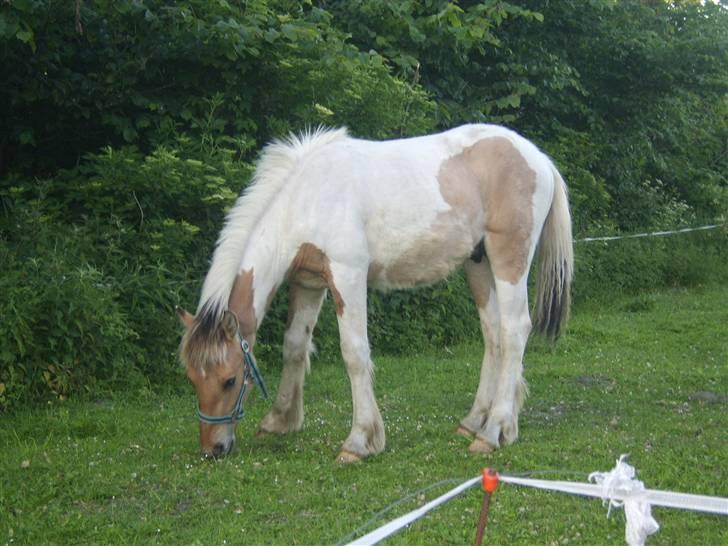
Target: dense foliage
point(128, 128)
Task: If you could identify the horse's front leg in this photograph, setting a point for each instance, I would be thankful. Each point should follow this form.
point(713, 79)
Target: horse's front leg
point(286, 415)
point(367, 429)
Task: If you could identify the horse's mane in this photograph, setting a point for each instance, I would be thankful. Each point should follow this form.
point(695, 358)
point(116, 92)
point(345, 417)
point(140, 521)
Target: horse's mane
point(276, 163)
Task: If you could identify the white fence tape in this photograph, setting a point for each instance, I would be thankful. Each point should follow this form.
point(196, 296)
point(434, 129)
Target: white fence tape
point(403, 521)
point(616, 491)
point(647, 234)
point(667, 499)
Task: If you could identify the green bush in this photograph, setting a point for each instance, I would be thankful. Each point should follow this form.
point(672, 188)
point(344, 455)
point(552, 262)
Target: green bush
point(64, 329)
point(634, 266)
point(146, 72)
point(94, 261)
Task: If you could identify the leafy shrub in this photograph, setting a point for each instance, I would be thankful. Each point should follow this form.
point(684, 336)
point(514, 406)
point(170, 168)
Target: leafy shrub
point(147, 72)
point(634, 266)
point(64, 329)
point(94, 261)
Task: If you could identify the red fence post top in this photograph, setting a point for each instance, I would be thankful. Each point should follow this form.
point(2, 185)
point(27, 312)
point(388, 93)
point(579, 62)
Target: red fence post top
point(490, 480)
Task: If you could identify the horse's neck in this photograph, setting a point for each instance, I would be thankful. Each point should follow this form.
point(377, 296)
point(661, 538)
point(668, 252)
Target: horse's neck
point(262, 271)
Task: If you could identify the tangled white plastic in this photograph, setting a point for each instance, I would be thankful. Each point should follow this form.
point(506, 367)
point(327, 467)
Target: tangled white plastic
point(619, 483)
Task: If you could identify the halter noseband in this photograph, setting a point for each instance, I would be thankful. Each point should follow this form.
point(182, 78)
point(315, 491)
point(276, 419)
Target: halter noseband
point(250, 371)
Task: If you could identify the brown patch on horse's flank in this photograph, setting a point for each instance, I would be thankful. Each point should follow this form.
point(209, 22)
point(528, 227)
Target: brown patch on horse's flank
point(311, 268)
point(493, 174)
point(432, 256)
point(241, 303)
point(459, 183)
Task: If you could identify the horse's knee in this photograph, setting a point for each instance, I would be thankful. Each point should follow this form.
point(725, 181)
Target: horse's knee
point(297, 344)
point(295, 348)
point(356, 353)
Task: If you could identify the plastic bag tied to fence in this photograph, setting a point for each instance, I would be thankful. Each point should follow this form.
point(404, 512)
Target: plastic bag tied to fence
point(620, 482)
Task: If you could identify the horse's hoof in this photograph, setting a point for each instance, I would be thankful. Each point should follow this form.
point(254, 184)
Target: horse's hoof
point(462, 431)
point(347, 457)
point(481, 446)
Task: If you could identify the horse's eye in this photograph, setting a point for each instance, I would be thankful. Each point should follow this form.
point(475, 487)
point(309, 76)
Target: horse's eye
point(228, 383)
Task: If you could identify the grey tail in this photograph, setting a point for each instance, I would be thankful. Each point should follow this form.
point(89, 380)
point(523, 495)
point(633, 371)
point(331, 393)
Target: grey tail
point(556, 265)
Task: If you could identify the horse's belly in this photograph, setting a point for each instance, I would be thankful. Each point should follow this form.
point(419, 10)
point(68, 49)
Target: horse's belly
point(402, 260)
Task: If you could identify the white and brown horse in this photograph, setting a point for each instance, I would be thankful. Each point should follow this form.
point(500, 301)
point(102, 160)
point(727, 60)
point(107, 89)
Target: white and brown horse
point(329, 212)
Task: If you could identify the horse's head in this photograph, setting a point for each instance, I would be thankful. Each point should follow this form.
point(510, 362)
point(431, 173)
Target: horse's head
point(212, 353)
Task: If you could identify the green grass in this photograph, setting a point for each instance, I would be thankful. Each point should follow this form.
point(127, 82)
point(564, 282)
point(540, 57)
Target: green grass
point(646, 376)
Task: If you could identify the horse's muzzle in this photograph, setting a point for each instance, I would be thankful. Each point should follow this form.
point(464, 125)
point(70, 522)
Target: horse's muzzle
point(220, 449)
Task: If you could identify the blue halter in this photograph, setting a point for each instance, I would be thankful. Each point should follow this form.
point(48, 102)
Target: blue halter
point(250, 371)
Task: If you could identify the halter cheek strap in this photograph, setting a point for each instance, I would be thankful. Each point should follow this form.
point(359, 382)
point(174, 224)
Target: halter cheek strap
point(250, 370)
point(252, 366)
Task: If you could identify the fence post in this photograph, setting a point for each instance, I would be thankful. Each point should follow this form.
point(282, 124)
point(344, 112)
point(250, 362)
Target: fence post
point(490, 484)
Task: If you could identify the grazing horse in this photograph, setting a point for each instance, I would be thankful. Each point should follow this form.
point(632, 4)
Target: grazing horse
point(326, 211)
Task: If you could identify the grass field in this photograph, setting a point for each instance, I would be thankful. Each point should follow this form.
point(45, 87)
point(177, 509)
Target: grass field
point(647, 376)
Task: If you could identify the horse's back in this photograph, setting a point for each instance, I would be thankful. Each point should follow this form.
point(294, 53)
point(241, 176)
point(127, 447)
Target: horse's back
point(414, 209)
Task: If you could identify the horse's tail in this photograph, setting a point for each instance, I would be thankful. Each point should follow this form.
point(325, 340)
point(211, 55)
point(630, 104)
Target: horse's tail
point(556, 265)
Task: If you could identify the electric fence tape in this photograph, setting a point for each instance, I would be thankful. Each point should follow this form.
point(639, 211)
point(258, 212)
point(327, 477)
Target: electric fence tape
point(617, 487)
point(647, 234)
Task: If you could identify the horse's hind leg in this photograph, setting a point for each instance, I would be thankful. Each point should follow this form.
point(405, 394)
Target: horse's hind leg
point(367, 428)
point(514, 328)
point(510, 389)
point(286, 414)
point(482, 285)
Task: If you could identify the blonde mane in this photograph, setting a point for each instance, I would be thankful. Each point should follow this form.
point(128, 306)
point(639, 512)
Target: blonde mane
point(276, 162)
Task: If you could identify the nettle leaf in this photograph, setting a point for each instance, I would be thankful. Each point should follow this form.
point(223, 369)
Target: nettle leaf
point(290, 32)
point(25, 36)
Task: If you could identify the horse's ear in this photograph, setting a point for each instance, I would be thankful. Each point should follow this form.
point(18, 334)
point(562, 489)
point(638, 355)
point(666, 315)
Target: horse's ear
point(229, 324)
point(184, 316)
